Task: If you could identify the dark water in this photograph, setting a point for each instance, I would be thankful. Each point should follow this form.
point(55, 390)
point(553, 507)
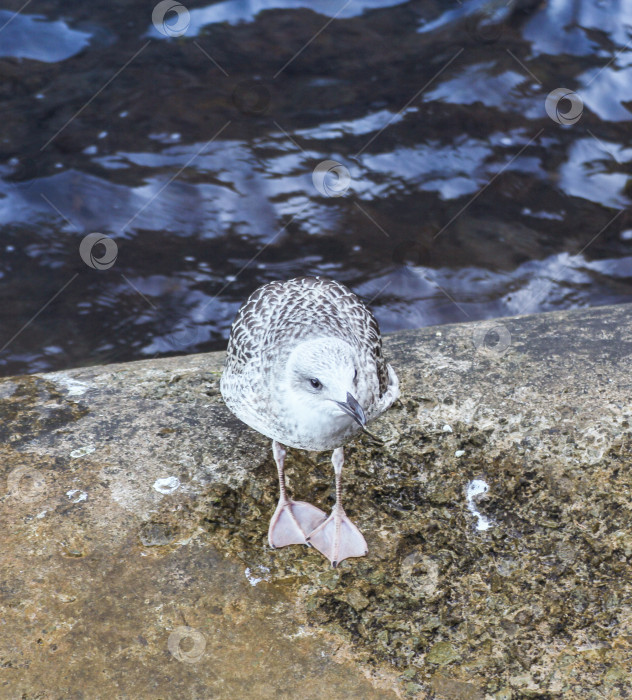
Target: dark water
point(193, 154)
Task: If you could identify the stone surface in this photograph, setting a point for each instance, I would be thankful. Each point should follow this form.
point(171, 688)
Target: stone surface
point(135, 510)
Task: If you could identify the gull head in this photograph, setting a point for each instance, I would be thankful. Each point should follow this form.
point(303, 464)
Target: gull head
point(326, 387)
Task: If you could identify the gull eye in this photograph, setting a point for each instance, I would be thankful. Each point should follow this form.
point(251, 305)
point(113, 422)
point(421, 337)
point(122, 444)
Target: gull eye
point(315, 383)
point(355, 375)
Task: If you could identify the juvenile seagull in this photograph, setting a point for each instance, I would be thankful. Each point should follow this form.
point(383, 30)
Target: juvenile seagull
point(304, 367)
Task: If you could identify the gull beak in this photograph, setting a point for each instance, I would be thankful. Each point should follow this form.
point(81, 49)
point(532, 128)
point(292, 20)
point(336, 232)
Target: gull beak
point(352, 408)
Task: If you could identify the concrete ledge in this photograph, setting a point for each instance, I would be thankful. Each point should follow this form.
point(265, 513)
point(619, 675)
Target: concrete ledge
point(135, 511)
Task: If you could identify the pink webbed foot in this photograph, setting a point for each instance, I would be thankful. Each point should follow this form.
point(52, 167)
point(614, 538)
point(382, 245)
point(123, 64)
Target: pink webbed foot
point(338, 538)
point(292, 521)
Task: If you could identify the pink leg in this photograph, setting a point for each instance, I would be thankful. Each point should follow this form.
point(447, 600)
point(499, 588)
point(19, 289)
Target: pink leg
point(292, 520)
point(337, 537)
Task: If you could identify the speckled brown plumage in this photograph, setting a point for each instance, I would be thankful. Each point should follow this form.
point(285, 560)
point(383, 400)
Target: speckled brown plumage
point(271, 323)
point(282, 312)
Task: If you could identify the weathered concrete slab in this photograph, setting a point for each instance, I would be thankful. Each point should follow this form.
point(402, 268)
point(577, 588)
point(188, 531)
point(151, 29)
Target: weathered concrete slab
point(135, 510)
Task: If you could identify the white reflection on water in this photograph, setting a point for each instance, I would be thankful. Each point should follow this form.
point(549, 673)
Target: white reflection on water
point(236, 11)
point(34, 37)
